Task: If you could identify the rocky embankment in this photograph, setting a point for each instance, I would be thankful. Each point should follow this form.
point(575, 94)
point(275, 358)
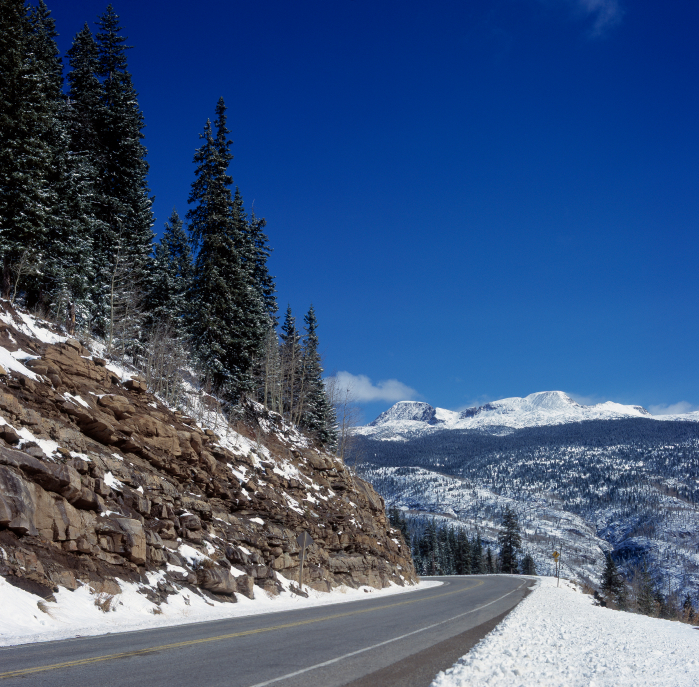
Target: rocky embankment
point(100, 482)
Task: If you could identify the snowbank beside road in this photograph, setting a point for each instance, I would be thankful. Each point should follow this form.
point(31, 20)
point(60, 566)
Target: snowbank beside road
point(25, 618)
point(557, 637)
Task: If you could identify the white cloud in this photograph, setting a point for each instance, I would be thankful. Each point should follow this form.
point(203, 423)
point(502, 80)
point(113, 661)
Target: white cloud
point(365, 391)
point(673, 409)
point(606, 13)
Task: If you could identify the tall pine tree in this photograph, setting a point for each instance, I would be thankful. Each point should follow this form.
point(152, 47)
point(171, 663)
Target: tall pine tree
point(27, 117)
point(318, 415)
point(68, 268)
point(170, 279)
point(227, 319)
point(510, 541)
point(127, 211)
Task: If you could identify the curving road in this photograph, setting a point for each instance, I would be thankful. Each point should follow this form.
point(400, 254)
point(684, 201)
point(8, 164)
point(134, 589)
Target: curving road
point(401, 640)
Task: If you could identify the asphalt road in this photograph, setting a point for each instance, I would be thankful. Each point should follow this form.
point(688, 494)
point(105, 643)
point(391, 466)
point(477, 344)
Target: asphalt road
point(401, 640)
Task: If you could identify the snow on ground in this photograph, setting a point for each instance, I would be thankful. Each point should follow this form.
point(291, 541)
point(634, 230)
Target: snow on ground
point(10, 362)
point(25, 618)
point(557, 637)
point(29, 325)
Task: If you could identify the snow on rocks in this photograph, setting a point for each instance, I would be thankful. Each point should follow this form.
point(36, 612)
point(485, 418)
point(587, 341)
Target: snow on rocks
point(556, 636)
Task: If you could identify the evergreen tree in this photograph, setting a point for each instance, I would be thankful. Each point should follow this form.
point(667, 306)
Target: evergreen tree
point(688, 612)
point(645, 597)
point(477, 563)
point(171, 277)
point(397, 520)
point(417, 554)
point(82, 260)
point(227, 320)
point(127, 207)
point(463, 554)
point(27, 118)
point(318, 414)
point(262, 280)
point(612, 582)
point(528, 565)
point(68, 268)
point(510, 542)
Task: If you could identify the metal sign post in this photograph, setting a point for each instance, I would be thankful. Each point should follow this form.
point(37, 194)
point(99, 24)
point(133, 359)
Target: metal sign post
point(303, 540)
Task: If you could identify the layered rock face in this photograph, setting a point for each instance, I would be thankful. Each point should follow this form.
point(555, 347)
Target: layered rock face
point(100, 481)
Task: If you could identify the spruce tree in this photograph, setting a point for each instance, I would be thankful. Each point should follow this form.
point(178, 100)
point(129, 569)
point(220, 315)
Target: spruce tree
point(226, 321)
point(68, 269)
point(688, 612)
point(510, 542)
point(124, 188)
point(645, 599)
point(170, 279)
point(477, 567)
point(611, 580)
point(262, 280)
point(528, 565)
point(82, 260)
point(27, 118)
point(318, 415)
point(463, 554)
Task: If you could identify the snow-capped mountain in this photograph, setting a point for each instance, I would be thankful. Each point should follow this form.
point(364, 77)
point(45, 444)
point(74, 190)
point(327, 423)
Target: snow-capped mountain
point(588, 478)
point(410, 419)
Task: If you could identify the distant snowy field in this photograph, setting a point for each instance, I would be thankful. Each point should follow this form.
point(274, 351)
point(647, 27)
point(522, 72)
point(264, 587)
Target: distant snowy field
point(26, 619)
point(556, 637)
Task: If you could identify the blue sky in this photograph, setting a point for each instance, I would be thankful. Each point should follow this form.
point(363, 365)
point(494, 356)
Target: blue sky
point(481, 199)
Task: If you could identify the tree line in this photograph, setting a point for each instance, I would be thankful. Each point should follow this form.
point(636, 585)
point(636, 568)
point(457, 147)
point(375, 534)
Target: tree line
point(448, 550)
point(640, 593)
point(76, 238)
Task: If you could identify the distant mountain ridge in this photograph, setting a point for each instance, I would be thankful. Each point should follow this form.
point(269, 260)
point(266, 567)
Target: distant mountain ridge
point(585, 479)
point(409, 419)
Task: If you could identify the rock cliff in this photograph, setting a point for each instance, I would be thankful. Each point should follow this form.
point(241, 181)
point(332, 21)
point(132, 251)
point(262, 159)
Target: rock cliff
point(100, 482)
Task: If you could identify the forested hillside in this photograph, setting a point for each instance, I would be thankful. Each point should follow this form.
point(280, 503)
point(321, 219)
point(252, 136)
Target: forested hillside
point(628, 487)
point(77, 242)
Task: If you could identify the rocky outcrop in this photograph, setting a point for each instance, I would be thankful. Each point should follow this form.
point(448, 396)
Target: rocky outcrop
point(100, 481)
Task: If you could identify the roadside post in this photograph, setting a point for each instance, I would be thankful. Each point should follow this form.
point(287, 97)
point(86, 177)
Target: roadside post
point(303, 540)
point(556, 558)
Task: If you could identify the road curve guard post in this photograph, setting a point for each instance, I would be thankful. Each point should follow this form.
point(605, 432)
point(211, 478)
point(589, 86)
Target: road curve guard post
point(303, 540)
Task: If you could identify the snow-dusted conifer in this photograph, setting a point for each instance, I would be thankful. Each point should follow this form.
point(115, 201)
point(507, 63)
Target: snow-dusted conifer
point(463, 553)
point(477, 562)
point(261, 278)
point(27, 114)
point(68, 266)
point(528, 566)
point(170, 278)
point(127, 206)
point(227, 321)
point(318, 414)
point(510, 541)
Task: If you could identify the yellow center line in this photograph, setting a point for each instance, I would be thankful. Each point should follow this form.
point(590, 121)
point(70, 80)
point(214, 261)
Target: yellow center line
point(192, 642)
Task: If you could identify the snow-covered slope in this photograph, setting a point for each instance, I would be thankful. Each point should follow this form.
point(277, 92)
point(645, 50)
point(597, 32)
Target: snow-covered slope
point(630, 477)
point(557, 636)
point(410, 419)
